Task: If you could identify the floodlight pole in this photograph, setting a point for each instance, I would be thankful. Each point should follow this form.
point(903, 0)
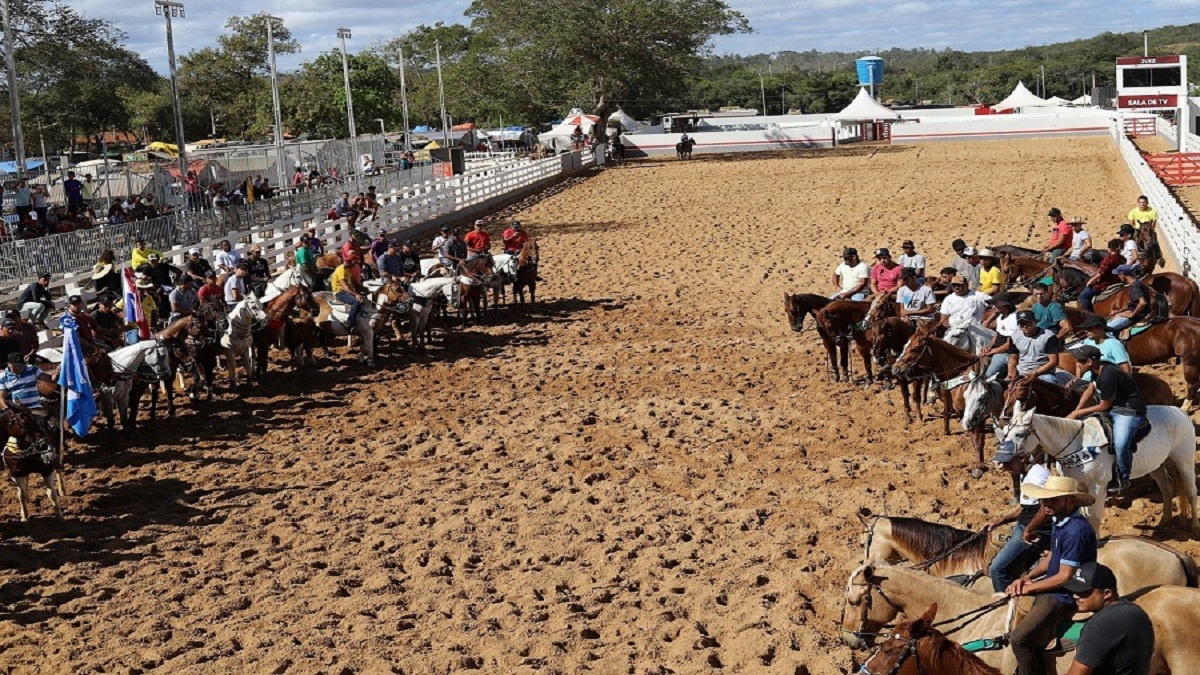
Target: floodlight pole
point(404, 104)
point(762, 88)
point(342, 34)
point(14, 97)
point(168, 9)
point(279, 157)
point(437, 50)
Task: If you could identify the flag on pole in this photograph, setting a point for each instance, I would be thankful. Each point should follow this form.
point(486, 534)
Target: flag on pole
point(133, 308)
point(78, 399)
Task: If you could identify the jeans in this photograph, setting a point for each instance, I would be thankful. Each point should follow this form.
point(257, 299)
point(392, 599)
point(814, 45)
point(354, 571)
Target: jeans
point(1012, 561)
point(857, 297)
point(998, 365)
point(351, 301)
point(35, 311)
point(1118, 324)
point(1055, 254)
point(1085, 298)
point(1034, 633)
point(1124, 427)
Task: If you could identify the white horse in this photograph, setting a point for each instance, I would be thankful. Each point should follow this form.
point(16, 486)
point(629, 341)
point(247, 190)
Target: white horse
point(505, 265)
point(290, 277)
point(126, 361)
point(334, 320)
point(1169, 452)
point(981, 399)
point(238, 339)
point(424, 293)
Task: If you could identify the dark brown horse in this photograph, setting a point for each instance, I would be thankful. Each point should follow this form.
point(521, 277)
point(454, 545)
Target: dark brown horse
point(1051, 399)
point(1022, 269)
point(888, 337)
point(842, 321)
point(917, 648)
point(475, 274)
point(527, 272)
point(281, 311)
point(29, 446)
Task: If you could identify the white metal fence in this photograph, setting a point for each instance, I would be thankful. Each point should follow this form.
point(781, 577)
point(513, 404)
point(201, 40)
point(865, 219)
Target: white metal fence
point(1176, 227)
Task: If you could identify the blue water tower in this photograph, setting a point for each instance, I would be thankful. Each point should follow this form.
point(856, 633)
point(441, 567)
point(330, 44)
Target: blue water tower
point(870, 72)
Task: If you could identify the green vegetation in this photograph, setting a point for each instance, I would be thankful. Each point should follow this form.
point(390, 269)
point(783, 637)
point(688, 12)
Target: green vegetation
point(516, 62)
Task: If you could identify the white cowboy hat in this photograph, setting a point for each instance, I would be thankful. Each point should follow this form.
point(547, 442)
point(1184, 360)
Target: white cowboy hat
point(102, 271)
point(144, 282)
point(987, 253)
point(1058, 486)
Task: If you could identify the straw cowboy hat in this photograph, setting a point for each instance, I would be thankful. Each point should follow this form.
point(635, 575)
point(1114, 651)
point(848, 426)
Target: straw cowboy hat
point(986, 253)
point(1058, 486)
point(144, 282)
point(101, 271)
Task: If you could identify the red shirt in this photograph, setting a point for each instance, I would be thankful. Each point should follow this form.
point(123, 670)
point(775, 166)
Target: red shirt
point(209, 292)
point(478, 241)
point(514, 240)
point(1105, 273)
point(1063, 231)
point(885, 279)
point(87, 326)
point(349, 246)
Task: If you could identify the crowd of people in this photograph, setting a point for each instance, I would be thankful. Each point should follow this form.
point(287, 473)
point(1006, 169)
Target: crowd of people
point(1052, 552)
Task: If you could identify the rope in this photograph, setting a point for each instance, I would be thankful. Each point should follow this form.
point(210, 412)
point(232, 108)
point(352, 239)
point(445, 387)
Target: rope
point(971, 616)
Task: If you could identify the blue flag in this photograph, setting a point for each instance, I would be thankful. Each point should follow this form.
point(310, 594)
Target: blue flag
point(73, 380)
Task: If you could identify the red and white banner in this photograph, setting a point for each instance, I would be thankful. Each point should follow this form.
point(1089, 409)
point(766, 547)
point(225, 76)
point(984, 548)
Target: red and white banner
point(1147, 60)
point(1148, 102)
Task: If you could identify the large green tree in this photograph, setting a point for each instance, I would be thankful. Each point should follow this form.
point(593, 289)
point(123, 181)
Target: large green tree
point(314, 99)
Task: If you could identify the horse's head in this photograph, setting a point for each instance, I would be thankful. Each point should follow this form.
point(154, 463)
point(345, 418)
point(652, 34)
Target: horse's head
point(913, 351)
point(977, 393)
point(866, 609)
point(881, 307)
point(21, 425)
point(253, 306)
point(794, 315)
point(882, 336)
point(158, 359)
point(1020, 391)
point(1018, 434)
point(901, 652)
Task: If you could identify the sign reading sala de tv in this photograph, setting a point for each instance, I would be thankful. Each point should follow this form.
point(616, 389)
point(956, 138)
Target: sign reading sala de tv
point(1151, 82)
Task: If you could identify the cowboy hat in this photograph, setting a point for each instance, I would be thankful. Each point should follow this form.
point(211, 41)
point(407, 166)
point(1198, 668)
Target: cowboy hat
point(144, 282)
point(986, 253)
point(1058, 486)
point(102, 271)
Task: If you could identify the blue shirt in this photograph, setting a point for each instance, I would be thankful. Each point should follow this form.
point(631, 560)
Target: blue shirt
point(1073, 543)
point(1110, 350)
point(1048, 316)
point(22, 387)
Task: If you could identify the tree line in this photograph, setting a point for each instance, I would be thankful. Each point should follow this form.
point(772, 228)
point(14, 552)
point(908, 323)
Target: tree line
point(513, 62)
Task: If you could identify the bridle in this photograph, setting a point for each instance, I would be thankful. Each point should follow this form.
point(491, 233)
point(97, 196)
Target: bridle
point(864, 606)
point(909, 651)
point(1057, 454)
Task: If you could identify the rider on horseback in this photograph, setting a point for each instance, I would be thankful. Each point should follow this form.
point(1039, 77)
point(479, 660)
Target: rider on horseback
point(478, 241)
point(346, 283)
point(19, 385)
point(454, 251)
point(1104, 277)
point(1121, 398)
point(1139, 300)
point(514, 238)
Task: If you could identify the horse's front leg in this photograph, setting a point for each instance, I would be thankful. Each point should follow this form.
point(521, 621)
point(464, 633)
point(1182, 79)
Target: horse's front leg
point(50, 480)
point(947, 402)
point(23, 496)
point(904, 394)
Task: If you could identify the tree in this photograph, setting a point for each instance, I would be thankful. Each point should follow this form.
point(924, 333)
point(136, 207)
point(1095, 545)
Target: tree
point(315, 97)
point(595, 55)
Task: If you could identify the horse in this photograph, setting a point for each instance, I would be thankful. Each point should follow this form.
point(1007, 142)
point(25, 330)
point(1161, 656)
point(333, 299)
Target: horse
point(1019, 268)
point(28, 448)
point(238, 339)
point(505, 265)
point(917, 648)
point(683, 149)
point(877, 594)
point(1009, 249)
point(137, 367)
point(841, 320)
point(1149, 252)
point(527, 272)
point(333, 315)
point(424, 295)
point(393, 299)
point(926, 356)
point(888, 337)
point(1168, 455)
point(279, 312)
point(100, 374)
point(476, 272)
point(1058, 401)
point(195, 348)
point(945, 551)
point(1175, 338)
point(1182, 294)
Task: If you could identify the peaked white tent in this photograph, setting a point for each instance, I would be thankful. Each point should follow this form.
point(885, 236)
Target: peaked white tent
point(1083, 100)
point(1021, 97)
point(1055, 100)
point(864, 108)
point(628, 124)
point(559, 137)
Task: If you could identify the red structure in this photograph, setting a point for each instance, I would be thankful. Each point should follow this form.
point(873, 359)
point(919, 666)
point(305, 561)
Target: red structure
point(1176, 168)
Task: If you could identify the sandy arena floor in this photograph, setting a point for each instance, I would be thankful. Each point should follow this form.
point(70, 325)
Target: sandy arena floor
point(647, 472)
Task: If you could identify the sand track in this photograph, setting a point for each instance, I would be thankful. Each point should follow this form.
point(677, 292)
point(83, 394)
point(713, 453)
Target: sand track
point(645, 473)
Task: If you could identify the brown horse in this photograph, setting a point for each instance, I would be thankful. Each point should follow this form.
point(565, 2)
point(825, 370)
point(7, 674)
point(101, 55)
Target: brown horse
point(1183, 294)
point(28, 448)
point(888, 337)
point(1018, 268)
point(800, 306)
point(917, 648)
point(527, 272)
point(475, 274)
point(1177, 338)
point(842, 321)
point(926, 356)
point(281, 311)
point(393, 299)
point(1051, 399)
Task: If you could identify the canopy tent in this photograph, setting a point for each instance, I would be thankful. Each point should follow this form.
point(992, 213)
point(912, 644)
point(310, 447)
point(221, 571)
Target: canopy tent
point(1056, 100)
point(1021, 97)
point(11, 167)
point(864, 108)
point(1083, 100)
point(628, 124)
point(465, 126)
point(559, 137)
point(508, 134)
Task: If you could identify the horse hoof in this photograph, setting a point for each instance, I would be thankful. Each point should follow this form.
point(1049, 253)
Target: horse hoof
point(978, 472)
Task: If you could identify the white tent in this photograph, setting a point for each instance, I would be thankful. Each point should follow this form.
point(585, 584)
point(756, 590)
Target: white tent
point(1083, 100)
point(1021, 97)
point(864, 108)
point(559, 137)
point(628, 124)
point(1055, 100)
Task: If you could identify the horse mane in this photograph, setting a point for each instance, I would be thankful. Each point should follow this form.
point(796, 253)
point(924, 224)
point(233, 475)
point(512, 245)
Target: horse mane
point(947, 653)
point(950, 351)
point(529, 249)
point(1074, 275)
point(926, 540)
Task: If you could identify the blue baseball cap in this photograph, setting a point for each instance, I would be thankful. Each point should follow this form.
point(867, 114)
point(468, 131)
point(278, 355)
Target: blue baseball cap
point(1124, 270)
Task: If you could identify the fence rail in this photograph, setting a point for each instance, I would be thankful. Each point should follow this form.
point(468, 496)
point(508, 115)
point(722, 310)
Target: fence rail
point(1175, 225)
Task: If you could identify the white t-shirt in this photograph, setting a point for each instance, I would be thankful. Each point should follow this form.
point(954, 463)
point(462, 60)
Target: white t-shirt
point(226, 259)
point(916, 300)
point(964, 310)
point(1077, 242)
point(234, 281)
point(915, 261)
point(1129, 250)
point(852, 276)
point(1037, 475)
point(1007, 325)
point(437, 242)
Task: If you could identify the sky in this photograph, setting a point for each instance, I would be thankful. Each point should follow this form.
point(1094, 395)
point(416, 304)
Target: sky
point(779, 25)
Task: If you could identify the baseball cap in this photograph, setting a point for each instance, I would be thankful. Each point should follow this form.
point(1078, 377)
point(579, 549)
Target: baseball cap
point(1124, 270)
point(958, 280)
point(153, 256)
point(194, 251)
point(210, 274)
point(1005, 452)
point(849, 251)
point(44, 275)
point(1089, 576)
point(479, 222)
point(74, 299)
point(8, 323)
point(16, 357)
point(1092, 321)
point(881, 252)
point(970, 251)
point(185, 279)
point(1125, 229)
point(908, 273)
point(445, 229)
point(907, 243)
point(1026, 316)
point(1086, 352)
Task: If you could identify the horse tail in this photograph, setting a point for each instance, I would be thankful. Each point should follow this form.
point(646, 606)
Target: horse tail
point(1194, 308)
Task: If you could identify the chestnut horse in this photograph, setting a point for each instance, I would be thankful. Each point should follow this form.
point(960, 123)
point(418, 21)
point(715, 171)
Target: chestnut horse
point(527, 272)
point(843, 321)
point(1176, 338)
point(888, 337)
point(474, 275)
point(1018, 268)
point(917, 648)
point(1051, 399)
point(1183, 294)
point(800, 306)
point(280, 312)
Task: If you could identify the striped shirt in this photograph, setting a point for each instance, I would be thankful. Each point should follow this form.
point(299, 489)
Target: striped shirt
point(22, 387)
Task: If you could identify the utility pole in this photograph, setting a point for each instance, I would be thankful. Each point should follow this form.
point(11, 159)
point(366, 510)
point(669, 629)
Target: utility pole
point(342, 34)
point(168, 9)
point(279, 156)
point(762, 87)
point(437, 50)
point(1145, 43)
point(404, 105)
point(14, 97)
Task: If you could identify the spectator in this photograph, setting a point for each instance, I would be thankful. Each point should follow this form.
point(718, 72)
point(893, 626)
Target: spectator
point(23, 199)
point(24, 332)
point(105, 276)
point(258, 270)
point(191, 185)
point(141, 254)
point(225, 258)
point(36, 302)
point(73, 189)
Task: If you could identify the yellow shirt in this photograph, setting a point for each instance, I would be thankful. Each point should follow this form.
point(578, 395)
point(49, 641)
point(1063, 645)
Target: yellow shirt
point(991, 281)
point(139, 258)
point(338, 279)
point(1138, 216)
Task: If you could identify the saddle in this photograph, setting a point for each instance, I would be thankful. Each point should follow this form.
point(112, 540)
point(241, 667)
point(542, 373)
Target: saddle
point(1066, 633)
point(1109, 292)
point(1142, 432)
